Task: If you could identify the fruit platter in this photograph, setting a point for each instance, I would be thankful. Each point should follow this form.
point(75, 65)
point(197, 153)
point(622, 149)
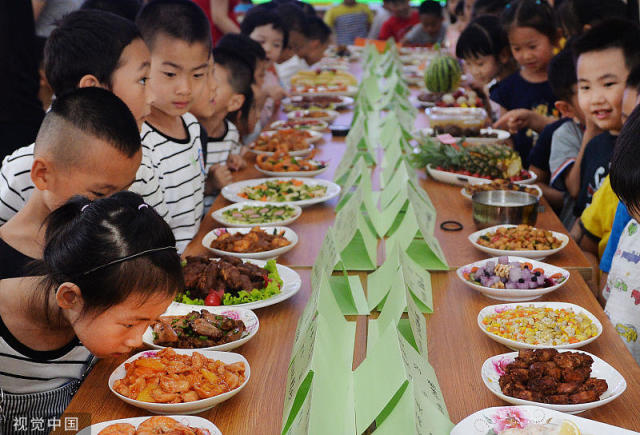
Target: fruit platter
point(460, 98)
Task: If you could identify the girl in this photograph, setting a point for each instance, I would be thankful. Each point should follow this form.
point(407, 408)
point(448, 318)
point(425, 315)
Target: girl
point(110, 269)
point(484, 48)
point(525, 97)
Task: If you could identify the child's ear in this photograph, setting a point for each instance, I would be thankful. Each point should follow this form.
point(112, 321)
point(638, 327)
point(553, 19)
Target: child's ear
point(69, 297)
point(235, 102)
point(88, 81)
point(41, 173)
point(565, 109)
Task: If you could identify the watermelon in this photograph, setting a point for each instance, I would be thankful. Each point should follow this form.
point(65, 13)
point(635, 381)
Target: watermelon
point(443, 74)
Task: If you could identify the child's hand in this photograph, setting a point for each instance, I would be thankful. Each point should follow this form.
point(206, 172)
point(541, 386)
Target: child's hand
point(218, 177)
point(235, 162)
point(514, 120)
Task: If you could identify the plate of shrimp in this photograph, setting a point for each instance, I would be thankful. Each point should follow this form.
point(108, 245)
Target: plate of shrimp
point(183, 424)
point(179, 381)
point(282, 162)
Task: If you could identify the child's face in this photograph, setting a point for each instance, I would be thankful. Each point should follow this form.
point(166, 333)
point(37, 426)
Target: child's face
point(601, 81)
point(119, 329)
point(531, 49)
point(260, 73)
point(225, 92)
point(431, 24)
point(130, 80)
point(629, 102)
point(315, 51)
point(402, 9)
point(482, 68)
point(204, 104)
point(270, 39)
point(178, 73)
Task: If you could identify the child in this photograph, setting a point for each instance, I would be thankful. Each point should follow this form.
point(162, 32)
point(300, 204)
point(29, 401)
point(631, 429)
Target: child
point(318, 35)
point(525, 97)
point(88, 144)
point(109, 270)
point(403, 18)
point(349, 20)
point(291, 59)
point(89, 48)
point(488, 7)
point(576, 16)
point(178, 35)
point(125, 8)
point(623, 280)
point(382, 15)
point(430, 30)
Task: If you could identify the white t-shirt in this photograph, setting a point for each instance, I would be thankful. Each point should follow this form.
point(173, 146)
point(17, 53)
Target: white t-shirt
point(289, 68)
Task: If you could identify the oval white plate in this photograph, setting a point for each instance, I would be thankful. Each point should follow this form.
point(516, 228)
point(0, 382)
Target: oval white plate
point(512, 344)
point(343, 103)
point(500, 418)
point(466, 194)
point(289, 234)
point(514, 295)
point(418, 103)
point(248, 317)
point(293, 173)
point(349, 92)
point(304, 114)
point(219, 216)
point(461, 180)
point(231, 191)
point(491, 371)
point(291, 284)
point(188, 420)
point(188, 407)
point(320, 125)
point(536, 255)
point(502, 136)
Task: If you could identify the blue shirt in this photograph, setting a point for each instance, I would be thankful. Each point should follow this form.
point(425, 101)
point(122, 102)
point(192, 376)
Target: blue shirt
point(514, 92)
point(619, 223)
point(541, 151)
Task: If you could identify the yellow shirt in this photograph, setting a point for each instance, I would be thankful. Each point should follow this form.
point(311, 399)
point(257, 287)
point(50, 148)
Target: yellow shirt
point(342, 9)
point(598, 217)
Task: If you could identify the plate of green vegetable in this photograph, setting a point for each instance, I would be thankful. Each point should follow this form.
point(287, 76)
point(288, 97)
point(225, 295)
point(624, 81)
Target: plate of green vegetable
point(252, 214)
point(282, 190)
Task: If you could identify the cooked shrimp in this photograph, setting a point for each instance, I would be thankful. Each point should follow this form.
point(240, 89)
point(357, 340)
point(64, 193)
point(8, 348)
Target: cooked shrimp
point(163, 397)
point(170, 385)
point(163, 425)
point(118, 429)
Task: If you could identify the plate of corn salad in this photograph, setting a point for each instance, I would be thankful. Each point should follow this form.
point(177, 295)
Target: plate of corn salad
point(539, 325)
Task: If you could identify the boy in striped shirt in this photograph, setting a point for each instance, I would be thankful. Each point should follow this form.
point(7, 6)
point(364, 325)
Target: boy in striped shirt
point(349, 20)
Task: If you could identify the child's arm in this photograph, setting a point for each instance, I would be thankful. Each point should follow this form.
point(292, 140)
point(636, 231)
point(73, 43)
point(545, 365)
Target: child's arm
point(517, 119)
point(218, 177)
point(554, 196)
point(572, 178)
point(219, 10)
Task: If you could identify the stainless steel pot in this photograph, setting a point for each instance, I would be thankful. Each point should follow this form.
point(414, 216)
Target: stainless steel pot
point(498, 207)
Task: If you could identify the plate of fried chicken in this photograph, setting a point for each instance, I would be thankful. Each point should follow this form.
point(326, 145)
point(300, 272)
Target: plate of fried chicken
point(565, 381)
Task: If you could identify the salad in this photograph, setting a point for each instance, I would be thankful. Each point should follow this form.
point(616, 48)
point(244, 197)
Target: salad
point(283, 191)
point(511, 275)
point(259, 214)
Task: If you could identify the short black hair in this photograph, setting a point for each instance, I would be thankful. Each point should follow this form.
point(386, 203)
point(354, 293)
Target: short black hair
point(257, 17)
point(573, 15)
point(488, 7)
point(624, 172)
point(179, 19)
point(562, 75)
point(633, 80)
point(536, 14)
point(317, 29)
point(86, 42)
point(96, 112)
point(125, 8)
point(240, 77)
point(293, 15)
point(611, 33)
point(244, 48)
point(483, 36)
point(430, 7)
point(83, 235)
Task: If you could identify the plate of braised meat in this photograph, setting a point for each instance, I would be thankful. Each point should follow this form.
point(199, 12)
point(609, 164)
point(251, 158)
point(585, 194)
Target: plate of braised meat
point(565, 381)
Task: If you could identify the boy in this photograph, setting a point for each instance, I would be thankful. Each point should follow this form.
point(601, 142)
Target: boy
point(349, 20)
point(290, 61)
point(318, 35)
point(403, 18)
point(177, 33)
point(88, 145)
point(430, 30)
point(382, 15)
point(89, 48)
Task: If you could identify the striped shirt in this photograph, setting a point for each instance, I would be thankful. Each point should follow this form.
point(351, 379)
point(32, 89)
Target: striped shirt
point(349, 22)
point(179, 166)
point(16, 186)
point(219, 148)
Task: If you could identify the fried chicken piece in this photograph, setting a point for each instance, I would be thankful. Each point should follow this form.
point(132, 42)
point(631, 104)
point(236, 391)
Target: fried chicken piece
point(544, 355)
point(527, 355)
point(533, 396)
point(579, 374)
point(584, 360)
point(557, 399)
point(568, 387)
point(597, 385)
point(583, 397)
point(540, 369)
point(572, 360)
point(518, 363)
point(555, 372)
point(165, 332)
point(545, 385)
point(519, 375)
point(202, 327)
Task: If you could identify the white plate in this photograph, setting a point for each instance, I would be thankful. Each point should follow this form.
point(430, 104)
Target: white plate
point(417, 103)
point(492, 369)
point(500, 418)
point(461, 180)
point(248, 317)
point(345, 102)
point(291, 284)
point(466, 194)
point(536, 255)
point(514, 295)
point(292, 173)
point(219, 216)
point(320, 125)
point(187, 407)
point(502, 135)
point(231, 191)
point(349, 92)
point(188, 420)
point(304, 114)
point(289, 234)
point(512, 344)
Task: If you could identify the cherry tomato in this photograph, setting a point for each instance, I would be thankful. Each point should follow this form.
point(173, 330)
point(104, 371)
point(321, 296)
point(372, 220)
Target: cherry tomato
point(213, 298)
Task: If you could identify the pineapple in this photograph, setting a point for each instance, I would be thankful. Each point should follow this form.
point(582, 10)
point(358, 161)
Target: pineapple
point(495, 160)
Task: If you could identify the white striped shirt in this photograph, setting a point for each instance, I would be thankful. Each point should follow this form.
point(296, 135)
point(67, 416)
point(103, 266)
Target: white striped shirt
point(219, 148)
point(16, 186)
point(179, 166)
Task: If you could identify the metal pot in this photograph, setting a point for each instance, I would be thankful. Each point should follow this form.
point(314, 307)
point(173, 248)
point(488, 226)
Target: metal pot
point(496, 207)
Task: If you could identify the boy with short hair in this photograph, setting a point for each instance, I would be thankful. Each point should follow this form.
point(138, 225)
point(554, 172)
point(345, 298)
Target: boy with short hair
point(318, 36)
point(89, 48)
point(403, 18)
point(430, 30)
point(349, 20)
point(178, 35)
point(290, 61)
point(88, 145)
